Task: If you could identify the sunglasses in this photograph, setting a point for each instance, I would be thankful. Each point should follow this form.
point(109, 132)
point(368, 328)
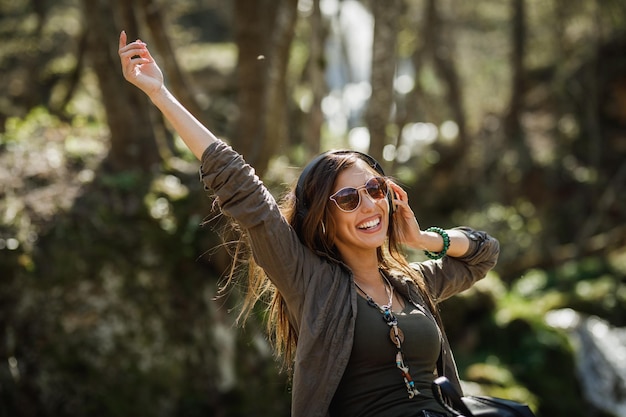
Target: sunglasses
point(349, 199)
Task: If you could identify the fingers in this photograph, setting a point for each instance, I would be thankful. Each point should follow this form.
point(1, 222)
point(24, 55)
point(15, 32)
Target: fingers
point(398, 191)
point(137, 48)
point(123, 39)
point(401, 201)
point(133, 55)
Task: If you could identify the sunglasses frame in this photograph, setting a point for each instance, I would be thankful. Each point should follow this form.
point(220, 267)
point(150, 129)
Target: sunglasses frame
point(381, 185)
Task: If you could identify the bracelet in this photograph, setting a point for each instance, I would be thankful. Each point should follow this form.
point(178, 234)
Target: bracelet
point(446, 243)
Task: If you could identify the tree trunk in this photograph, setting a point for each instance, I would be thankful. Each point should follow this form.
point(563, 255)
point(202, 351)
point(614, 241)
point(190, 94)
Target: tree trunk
point(512, 125)
point(317, 82)
point(386, 15)
point(178, 82)
point(127, 110)
point(249, 36)
point(276, 98)
point(442, 54)
point(263, 33)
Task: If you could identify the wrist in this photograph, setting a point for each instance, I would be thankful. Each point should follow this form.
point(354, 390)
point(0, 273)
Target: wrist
point(160, 95)
point(429, 240)
point(437, 242)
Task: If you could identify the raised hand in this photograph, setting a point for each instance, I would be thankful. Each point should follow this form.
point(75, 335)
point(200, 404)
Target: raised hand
point(141, 70)
point(404, 216)
point(138, 66)
point(413, 236)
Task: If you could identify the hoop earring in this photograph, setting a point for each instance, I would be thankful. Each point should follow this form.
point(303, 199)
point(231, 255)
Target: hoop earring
point(323, 228)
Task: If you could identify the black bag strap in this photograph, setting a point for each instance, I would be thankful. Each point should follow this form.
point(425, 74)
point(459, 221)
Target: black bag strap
point(442, 387)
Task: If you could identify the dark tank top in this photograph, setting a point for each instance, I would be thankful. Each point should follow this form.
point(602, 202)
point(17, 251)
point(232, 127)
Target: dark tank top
point(372, 385)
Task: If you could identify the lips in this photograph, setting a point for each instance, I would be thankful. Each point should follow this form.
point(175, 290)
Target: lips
point(370, 224)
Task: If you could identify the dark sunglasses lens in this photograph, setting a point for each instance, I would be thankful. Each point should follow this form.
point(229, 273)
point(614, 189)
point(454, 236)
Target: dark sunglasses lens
point(347, 199)
point(376, 188)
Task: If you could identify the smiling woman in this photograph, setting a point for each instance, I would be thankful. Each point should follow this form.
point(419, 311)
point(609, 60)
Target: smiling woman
point(330, 259)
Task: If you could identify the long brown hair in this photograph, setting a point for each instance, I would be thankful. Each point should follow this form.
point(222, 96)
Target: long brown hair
point(309, 216)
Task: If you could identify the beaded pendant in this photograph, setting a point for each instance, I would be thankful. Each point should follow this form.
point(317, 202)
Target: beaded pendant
point(395, 334)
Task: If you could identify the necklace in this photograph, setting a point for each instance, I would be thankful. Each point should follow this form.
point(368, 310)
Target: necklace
point(395, 333)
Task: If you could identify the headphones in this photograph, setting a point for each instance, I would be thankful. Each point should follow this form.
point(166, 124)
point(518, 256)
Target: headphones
point(301, 206)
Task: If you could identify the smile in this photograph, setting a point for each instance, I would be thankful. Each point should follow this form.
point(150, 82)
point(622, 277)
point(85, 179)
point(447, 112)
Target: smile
point(369, 224)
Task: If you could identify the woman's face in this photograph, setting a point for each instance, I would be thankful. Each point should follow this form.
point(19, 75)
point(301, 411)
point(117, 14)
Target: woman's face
point(365, 228)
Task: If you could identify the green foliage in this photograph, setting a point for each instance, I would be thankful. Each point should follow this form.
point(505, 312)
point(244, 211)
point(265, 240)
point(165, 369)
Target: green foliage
point(513, 352)
point(107, 312)
point(123, 181)
point(34, 125)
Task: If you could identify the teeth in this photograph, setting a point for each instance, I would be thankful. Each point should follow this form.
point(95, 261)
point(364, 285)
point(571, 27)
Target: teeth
point(370, 224)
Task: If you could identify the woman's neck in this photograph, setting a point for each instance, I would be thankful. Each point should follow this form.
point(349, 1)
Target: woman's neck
point(366, 274)
point(371, 283)
point(364, 267)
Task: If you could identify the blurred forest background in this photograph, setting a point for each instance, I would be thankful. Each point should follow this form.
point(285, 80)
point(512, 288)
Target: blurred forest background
point(507, 115)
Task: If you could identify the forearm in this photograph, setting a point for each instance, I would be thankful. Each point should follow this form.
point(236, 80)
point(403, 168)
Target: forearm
point(433, 242)
point(454, 274)
point(195, 135)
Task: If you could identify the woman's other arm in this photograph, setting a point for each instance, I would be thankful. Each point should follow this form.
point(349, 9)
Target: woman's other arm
point(414, 237)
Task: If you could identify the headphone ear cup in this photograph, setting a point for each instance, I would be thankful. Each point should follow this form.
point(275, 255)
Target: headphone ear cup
point(301, 210)
point(301, 213)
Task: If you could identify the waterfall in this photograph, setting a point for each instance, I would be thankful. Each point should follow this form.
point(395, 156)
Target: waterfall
point(600, 358)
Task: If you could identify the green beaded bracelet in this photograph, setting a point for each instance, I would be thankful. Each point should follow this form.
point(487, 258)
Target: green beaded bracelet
point(446, 243)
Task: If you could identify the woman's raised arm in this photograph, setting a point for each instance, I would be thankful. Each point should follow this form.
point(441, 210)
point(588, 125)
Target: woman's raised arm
point(140, 69)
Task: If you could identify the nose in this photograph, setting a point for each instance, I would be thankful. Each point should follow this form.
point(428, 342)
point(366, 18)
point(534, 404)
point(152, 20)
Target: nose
point(368, 199)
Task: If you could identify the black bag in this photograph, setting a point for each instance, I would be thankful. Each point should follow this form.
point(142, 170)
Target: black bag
point(476, 406)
